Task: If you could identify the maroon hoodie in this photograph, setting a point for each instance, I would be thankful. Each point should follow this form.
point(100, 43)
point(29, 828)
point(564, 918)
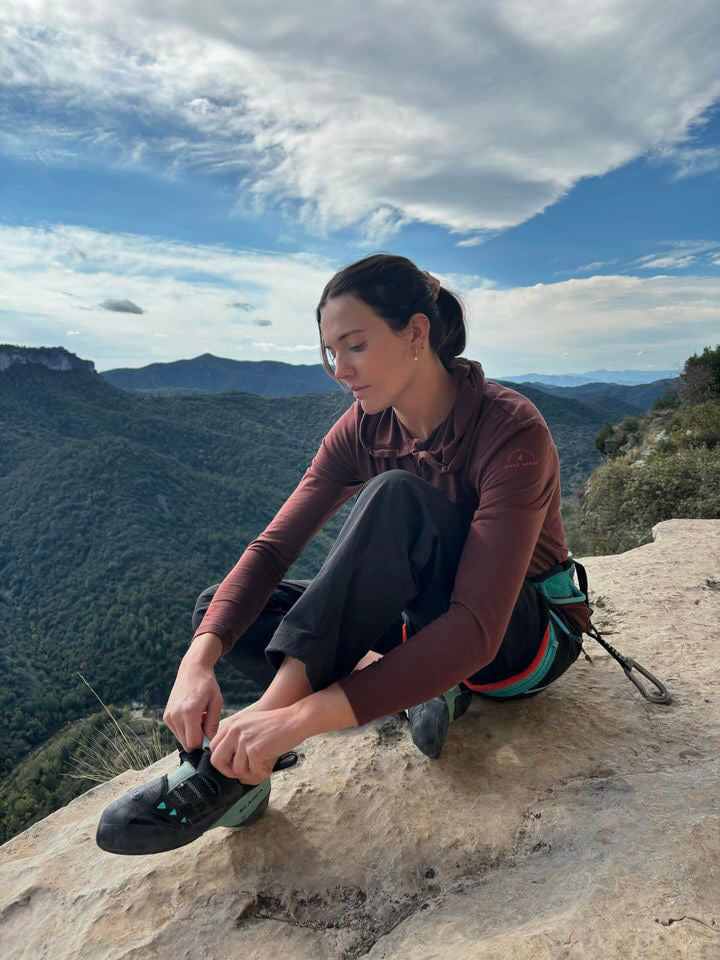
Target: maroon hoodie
point(494, 456)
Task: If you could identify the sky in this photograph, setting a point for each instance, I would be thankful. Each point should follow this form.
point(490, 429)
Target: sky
point(180, 178)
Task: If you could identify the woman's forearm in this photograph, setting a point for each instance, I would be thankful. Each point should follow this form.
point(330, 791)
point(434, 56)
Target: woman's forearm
point(321, 712)
point(289, 685)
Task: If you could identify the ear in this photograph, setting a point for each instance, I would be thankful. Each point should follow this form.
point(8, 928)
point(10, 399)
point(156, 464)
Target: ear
point(419, 325)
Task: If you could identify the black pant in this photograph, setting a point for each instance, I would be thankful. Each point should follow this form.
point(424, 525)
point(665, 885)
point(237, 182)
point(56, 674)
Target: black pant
point(397, 552)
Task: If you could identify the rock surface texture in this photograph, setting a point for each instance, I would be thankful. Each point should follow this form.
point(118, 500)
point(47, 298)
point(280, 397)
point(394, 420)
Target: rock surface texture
point(581, 823)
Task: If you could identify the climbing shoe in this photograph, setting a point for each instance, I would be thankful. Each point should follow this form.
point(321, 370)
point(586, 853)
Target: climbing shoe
point(177, 808)
point(429, 721)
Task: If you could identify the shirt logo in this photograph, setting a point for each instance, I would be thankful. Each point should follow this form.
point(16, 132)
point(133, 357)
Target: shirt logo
point(520, 459)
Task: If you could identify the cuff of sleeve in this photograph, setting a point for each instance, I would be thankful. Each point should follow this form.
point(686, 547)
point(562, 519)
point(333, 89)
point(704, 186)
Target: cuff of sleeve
point(364, 690)
point(224, 635)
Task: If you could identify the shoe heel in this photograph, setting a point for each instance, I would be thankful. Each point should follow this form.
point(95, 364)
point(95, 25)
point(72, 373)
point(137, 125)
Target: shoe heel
point(249, 808)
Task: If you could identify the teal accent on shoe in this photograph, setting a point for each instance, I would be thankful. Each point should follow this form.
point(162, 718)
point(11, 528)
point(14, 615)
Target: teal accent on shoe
point(450, 696)
point(162, 805)
point(244, 808)
point(180, 775)
point(173, 812)
point(184, 820)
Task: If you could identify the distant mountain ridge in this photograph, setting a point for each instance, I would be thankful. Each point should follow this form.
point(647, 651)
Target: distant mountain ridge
point(623, 377)
point(271, 378)
point(640, 396)
point(211, 374)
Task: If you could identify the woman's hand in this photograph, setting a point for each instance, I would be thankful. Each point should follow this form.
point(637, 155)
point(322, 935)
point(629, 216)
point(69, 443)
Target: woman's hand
point(195, 693)
point(251, 741)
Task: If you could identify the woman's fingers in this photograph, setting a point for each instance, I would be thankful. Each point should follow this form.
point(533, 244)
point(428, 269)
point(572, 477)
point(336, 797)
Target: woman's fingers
point(212, 717)
point(221, 753)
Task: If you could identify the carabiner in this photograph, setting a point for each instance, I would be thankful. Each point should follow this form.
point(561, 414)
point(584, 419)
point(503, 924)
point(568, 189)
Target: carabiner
point(662, 696)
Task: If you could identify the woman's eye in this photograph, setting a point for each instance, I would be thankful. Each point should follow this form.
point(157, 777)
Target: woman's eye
point(358, 348)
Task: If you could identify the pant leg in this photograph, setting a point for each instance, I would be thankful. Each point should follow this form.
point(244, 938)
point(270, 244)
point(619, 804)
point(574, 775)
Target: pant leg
point(398, 551)
point(248, 653)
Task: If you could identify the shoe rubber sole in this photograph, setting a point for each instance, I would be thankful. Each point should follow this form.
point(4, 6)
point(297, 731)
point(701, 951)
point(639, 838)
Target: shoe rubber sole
point(118, 833)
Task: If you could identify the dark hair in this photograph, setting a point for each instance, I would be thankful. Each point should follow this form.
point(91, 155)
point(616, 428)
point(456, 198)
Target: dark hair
point(396, 289)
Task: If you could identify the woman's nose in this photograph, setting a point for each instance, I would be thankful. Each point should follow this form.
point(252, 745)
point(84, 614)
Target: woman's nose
point(343, 370)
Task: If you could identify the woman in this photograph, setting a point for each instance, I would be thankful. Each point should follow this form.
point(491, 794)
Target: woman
point(456, 527)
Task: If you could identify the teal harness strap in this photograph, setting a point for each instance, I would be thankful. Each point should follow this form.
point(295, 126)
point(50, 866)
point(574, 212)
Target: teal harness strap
point(557, 585)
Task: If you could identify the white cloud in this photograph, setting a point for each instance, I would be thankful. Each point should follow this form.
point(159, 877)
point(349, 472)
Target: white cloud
point(38, 265)
point(666, 263)
point(599, 321)
point(470, 116)
point(590, 322)
point(689, 161)
point(687, 253)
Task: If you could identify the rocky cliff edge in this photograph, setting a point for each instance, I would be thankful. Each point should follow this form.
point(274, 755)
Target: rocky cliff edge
point(582, 823)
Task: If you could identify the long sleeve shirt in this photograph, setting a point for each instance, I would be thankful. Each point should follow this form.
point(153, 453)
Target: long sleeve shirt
point(493, 456)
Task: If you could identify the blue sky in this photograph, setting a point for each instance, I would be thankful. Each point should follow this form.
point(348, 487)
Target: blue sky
point(175, 181)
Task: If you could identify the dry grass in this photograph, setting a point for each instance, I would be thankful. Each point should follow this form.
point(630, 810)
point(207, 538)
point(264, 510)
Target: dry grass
point(102, 757)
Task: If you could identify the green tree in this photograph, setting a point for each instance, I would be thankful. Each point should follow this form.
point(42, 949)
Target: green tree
point(701, 376)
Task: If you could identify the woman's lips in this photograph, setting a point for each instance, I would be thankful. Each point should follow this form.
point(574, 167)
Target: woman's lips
point(357, 390)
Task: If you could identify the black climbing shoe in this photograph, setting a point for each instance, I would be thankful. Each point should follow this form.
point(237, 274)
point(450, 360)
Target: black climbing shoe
point(179, 807)
point(429, 721)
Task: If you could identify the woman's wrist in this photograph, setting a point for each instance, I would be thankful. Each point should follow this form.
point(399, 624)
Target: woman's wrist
point(205, 650)
point(322, 712)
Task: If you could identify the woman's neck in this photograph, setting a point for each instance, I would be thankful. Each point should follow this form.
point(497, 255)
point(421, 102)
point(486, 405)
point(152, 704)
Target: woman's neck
point(428, 399)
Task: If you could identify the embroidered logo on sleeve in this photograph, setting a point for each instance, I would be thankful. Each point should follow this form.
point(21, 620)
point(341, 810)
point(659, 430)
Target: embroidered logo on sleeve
point(521, 459)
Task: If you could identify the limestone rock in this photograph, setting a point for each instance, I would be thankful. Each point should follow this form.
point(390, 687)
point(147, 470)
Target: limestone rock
point(54, 358)
point(582, 823)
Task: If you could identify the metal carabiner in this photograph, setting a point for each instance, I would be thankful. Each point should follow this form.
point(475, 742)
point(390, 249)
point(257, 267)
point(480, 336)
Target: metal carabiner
point(662, 696)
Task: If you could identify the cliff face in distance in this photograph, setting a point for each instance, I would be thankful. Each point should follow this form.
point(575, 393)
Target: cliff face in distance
point(581, 823)
point(54, 358)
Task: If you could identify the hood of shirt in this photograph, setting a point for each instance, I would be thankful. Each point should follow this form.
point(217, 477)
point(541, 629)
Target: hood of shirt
point(445, 450)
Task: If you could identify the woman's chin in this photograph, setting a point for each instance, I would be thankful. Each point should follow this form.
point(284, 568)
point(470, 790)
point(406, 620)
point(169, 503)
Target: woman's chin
point(371, 405)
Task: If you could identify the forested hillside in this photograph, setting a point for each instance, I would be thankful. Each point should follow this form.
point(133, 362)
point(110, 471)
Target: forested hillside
point(117, 511)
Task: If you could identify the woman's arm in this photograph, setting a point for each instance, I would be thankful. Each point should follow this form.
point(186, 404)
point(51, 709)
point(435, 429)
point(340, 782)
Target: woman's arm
point(330, 480)
point(249, 743)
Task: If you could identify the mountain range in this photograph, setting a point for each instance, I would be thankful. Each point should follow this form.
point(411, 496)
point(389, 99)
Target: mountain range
point(210, 374)
point(626, 377)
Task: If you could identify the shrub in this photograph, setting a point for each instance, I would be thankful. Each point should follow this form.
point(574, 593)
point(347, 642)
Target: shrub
point(600, 439)
point(666, 401)
point(697, 425)
point(625, 500)
point(630, 425)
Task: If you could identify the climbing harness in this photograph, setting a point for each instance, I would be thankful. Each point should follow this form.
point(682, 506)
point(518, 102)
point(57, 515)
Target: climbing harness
point(558, 588)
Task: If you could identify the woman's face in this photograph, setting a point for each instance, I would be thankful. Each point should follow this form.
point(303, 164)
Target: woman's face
point(366, 353)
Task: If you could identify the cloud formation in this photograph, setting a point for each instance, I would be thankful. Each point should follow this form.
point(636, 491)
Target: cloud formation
point(121, 306)
point(473, 117)
point(681, 255)
point(597, 321)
